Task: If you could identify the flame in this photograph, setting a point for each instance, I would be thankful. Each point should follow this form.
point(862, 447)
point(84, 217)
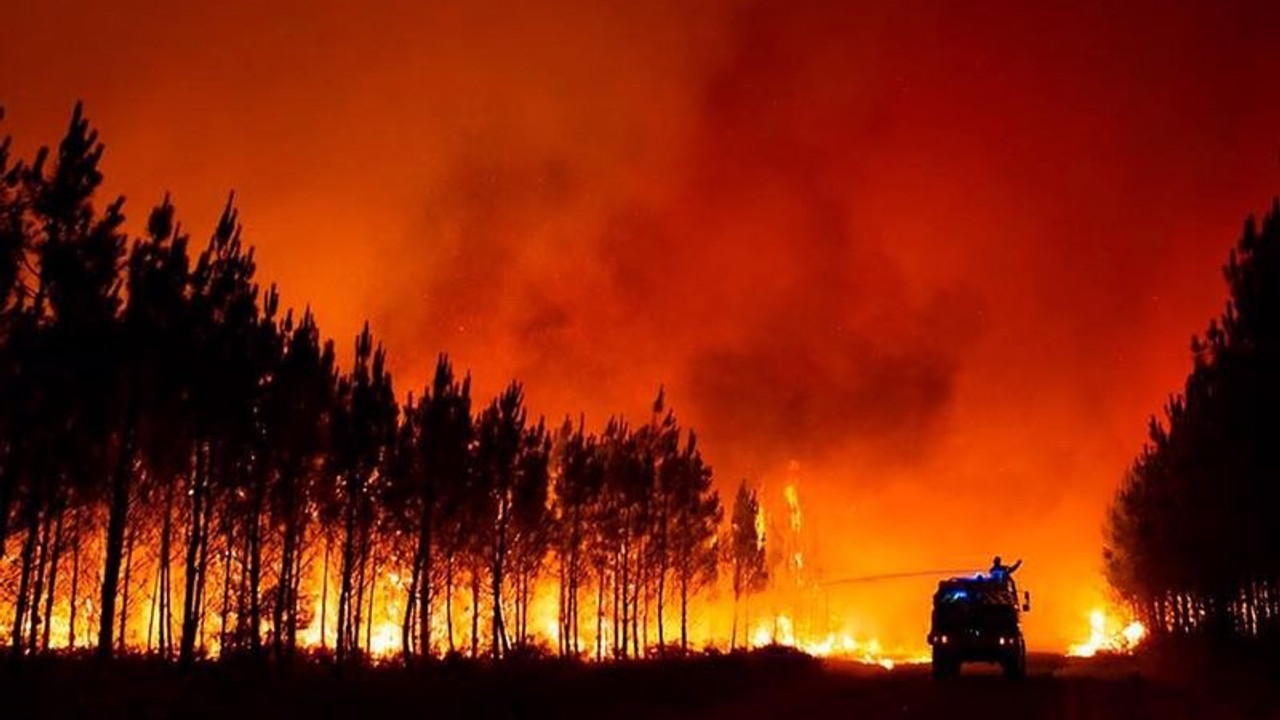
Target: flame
point(792, 497)
point(1109, 634)
point(760, 526)
point(799, 614)
point(780, 630)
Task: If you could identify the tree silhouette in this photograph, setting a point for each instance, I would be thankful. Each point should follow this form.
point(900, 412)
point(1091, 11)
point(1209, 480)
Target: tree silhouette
point(695, 516)
point(156, 334)
point(438, 436)
point(182, 460)
point(14, 294)
point(1191, 541)
point(298, 417)
point(63, 346)
point(531, 533)
point(577, 493)
point(746, 549)
point(501, 449)
point(364, 432)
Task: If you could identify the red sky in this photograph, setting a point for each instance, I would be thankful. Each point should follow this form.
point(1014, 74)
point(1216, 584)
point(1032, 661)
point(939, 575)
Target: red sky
point(946, 257)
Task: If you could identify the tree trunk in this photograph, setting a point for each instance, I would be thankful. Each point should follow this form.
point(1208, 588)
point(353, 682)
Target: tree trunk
point(53, 579)
point(202, 569)
point(151, 613)
point(118, 517)
point(566, 597)
point(8, 480)
point(662, 589)
point(284, 585)
point(618, 579)
point(75, 582)
point(37, 594)
point(733, 635)
point(600, 616)
point(684, 612)
point(165, 621)
point(292, 620)
point(424, 590)
point(342, 643)
point(124, 594)
point(186, 648)
point(24, 582)
point(635, 604)
point(324, 589)
point(562, 613)
point(373, 595)
point(475, 612)
point(228, 557)
point(356, 604)
point(410, 602)
point(499, 639)
point(448, 601)
point(254, 540)
point(575, 573)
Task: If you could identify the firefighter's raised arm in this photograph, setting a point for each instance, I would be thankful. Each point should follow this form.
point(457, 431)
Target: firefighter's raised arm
point(1014, 566)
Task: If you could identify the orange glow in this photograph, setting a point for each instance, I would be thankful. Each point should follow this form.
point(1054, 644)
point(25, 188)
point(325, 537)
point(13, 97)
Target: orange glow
point(1109, 634)
point(943, 259)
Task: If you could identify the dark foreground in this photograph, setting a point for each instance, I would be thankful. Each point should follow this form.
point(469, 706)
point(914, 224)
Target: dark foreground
point(743, 688)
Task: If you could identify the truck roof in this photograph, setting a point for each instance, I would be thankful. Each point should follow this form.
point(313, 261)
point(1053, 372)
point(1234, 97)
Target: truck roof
point(975, 589)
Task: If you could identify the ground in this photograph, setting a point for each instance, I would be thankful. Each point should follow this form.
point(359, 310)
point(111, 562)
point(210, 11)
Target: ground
point(738, 687)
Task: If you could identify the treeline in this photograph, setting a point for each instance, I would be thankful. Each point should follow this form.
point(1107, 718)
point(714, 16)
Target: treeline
point(1193, 537)
point(169, 433)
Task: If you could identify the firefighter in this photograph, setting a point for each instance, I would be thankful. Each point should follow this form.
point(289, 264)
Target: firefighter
point(1000, 571)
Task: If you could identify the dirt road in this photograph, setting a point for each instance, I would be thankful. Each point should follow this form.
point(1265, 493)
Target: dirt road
point(1054, 689)
point(737, 687)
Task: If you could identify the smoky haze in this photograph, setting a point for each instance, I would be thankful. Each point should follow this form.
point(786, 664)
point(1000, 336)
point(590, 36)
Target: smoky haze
point(932, 262)
point(743, 282)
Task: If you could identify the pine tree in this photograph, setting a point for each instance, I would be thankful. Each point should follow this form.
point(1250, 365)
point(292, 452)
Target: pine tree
point(441, 452)
point(75, 386)
point(531, 532)
point(746, 550)
point(15, 243)
point(1191, 539)
point(364, 434)
point(696, 515)
point(500, 439)
point(577, 493)
point(157, 340)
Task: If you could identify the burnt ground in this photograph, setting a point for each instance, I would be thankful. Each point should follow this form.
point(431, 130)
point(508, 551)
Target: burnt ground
point(738, 687)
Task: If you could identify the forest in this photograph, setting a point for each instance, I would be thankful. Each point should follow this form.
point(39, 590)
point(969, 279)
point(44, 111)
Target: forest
point(188, 470)
point(1193, 541)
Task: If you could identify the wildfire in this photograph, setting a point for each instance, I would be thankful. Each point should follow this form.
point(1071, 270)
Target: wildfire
point(760, 526)
point(799, 613)
point(1109, 634)
point(780, 630)
point(793, 506)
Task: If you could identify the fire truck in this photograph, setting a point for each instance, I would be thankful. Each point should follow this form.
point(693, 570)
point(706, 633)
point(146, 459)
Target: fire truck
point(977, 619)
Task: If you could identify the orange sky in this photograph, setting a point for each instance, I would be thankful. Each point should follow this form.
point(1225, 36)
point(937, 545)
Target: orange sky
point(944, 256)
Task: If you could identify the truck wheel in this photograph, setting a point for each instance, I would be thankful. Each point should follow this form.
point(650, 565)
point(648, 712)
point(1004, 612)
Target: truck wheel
point(944, 666)
point(1015, 666)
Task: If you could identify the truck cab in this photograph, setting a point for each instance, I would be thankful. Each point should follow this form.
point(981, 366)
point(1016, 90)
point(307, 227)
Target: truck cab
point(977, 619)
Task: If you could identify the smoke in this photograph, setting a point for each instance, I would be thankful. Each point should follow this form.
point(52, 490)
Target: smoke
point(944, 255)
point(740, 280)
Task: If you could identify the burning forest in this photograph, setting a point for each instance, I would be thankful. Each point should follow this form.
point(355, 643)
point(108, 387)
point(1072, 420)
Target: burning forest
point(664, 359)
point(189, 471)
